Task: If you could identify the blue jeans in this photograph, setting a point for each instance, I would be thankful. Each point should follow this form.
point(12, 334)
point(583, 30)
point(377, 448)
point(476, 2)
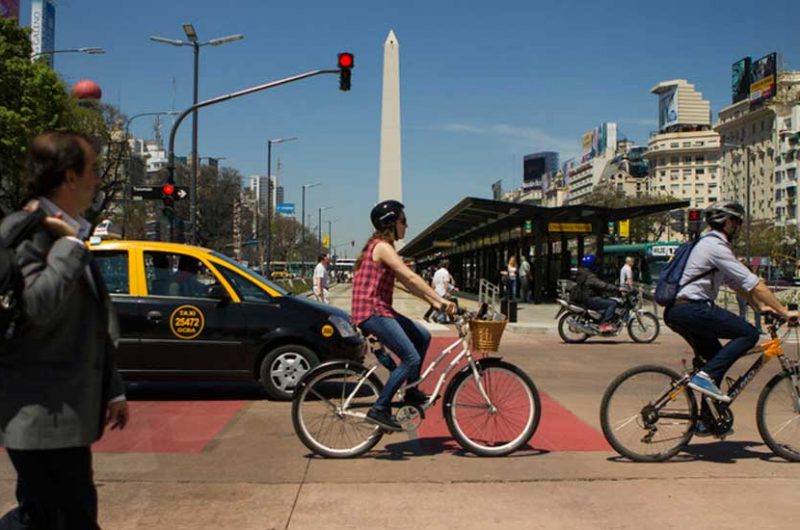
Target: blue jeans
point(702, 325)
point(602, 304)
point(409, 341)
point(511, 289)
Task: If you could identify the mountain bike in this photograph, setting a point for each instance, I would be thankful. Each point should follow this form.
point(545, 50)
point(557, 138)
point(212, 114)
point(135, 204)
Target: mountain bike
point(491, 407)
point(649, 413)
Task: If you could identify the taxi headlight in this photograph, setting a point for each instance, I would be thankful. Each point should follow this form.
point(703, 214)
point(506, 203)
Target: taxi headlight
point(343, 326)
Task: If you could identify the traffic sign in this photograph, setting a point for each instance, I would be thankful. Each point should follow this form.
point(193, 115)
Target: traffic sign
point(285, 208)
point(141, 193)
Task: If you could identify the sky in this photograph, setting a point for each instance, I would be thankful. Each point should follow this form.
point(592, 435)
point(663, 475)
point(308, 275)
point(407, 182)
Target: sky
point(482, 83)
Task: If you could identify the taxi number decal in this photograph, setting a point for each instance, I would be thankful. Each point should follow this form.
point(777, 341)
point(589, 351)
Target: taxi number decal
point(187, 322)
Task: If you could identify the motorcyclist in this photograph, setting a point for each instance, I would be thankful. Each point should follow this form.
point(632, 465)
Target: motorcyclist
point(590, 290)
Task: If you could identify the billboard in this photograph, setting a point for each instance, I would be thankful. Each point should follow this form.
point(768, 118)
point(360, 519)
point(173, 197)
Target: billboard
point(43, 28)
point(668, 108)
point(9, 9)
point(740, 80)
point(586, 142)
point(763, 75)
point(285, 208)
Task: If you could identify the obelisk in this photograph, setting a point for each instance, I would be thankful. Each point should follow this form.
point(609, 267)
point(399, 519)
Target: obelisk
point(391, 169)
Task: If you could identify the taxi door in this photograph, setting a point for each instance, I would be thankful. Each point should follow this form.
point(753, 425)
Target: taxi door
point(187, 326)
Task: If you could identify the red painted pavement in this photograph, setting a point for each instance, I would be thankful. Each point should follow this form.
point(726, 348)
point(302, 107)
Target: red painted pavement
point(559, 429)
point(170, 426)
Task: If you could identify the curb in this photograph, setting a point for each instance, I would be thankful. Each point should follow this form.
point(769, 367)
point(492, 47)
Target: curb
point(529, 329)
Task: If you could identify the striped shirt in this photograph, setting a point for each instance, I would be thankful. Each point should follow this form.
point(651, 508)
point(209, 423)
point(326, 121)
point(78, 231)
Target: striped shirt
point(373, 287)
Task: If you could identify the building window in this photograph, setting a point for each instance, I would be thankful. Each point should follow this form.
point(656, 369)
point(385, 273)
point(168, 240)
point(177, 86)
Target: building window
point(700, 171)
point(687, 172)
point(700, 159)
point(687, 144)
point(674, 145)
point(662, 173)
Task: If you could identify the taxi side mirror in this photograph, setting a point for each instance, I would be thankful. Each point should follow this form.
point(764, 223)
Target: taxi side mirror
point(219, 292)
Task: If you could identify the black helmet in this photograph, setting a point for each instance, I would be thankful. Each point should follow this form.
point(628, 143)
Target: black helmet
point(386, 213)
point(721, 211)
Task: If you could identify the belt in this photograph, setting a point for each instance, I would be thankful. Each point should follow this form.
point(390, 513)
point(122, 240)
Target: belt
point(679, 301)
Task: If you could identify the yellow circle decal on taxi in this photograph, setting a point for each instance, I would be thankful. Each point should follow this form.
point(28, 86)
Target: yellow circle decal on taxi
point(187, 322)
point(327, 331)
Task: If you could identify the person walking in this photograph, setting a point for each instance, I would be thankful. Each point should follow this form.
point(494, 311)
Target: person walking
point(443, 284)
point(510, 275)
point(320, 279)
point(59, 385)
point(525, 280)
point(626, 274)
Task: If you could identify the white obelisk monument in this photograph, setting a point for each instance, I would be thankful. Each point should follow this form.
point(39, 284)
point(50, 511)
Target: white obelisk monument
point(391, 168)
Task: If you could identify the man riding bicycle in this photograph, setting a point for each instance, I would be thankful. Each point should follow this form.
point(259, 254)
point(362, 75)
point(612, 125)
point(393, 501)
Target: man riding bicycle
point(696, 317)
point(590, 289)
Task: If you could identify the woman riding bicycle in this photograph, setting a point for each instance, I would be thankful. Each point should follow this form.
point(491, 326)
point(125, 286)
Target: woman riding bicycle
point(373, 285)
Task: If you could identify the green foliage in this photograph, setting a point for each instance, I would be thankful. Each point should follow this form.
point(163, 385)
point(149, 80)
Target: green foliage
point(642, 229)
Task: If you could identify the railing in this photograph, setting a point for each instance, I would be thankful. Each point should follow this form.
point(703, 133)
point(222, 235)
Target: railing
point(489, 293)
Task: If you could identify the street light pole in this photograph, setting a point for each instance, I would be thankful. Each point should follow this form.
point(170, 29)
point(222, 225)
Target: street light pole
point(747, 204)
point(303, 232)
point(93, 50)
point(269, 193)
point(191, 35)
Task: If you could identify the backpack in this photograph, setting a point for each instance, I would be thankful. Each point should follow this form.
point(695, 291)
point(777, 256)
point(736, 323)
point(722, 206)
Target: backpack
point(669, 279)
point(11, 280)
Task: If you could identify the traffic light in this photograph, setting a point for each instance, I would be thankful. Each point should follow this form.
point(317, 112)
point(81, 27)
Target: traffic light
point(345, 68)
point(168, 198)
point(695, 217)
point(678, 220)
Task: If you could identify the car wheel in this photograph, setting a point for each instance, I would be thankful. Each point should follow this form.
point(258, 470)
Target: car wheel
point(283, 368)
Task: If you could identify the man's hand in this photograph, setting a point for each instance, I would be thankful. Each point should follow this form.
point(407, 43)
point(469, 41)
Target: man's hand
point(448, 307)
point(118, 415)
point(54, 223)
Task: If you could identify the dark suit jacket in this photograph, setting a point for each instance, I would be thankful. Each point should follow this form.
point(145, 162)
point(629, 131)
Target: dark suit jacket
point(59, 372)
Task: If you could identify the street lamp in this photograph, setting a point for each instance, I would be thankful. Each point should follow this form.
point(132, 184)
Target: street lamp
point(269, 193)
point(303, 232)
point(191, 34)
point(748, 192)
point(127, 192)
point(319, 227)
point(93, 50)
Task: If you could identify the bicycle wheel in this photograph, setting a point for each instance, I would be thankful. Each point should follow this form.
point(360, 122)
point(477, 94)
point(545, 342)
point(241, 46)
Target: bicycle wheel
point(634, 427)
point(497, 428)
point(643, 329)
point(778, 416)
point(320, 418)
point(570, 333)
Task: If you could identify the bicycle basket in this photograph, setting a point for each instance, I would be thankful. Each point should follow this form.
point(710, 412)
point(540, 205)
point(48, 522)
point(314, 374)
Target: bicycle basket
point(486, 334)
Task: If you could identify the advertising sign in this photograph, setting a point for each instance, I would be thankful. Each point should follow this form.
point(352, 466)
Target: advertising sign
point(285, 208)
point(43, 28)
point(763, 77)
point(740, 80)
point(586, 142)
point(9, 9)
point(625, 228)
point(668, 108)
point(569, 227)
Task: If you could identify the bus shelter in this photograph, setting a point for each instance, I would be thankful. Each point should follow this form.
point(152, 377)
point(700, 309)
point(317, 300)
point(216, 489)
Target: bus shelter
point(478, 236)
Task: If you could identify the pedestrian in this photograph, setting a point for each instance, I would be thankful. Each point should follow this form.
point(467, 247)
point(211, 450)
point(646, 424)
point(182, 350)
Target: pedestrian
point(444, 286)
point(743, 305)
point(626, 274)
point(59, 386)
point(525, 279)
point(510, 276)
point(320, 279)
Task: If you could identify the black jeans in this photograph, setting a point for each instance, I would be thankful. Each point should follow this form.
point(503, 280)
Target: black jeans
point(602, 304)
point(55, 490)
point(702, 325)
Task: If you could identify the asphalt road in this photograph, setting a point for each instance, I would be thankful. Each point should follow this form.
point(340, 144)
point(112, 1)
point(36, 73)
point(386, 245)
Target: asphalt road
point(222, 456)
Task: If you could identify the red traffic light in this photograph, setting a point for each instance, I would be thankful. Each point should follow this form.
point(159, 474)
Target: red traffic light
point(168, 189)
point(345, 60)
point(695, 214)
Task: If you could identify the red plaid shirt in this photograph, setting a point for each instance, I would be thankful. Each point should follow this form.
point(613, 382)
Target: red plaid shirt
point(373, 287)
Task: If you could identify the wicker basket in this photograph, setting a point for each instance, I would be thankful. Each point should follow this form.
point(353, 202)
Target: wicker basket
point(486, 334)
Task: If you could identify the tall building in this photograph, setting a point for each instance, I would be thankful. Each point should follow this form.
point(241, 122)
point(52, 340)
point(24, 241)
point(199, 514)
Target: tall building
point(750, 133)
point(627, 172)
point(599, 148)
point(684, 155)
point(787, 169)
point(258, 185)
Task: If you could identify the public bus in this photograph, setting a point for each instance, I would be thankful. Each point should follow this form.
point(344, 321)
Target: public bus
point(651, 258)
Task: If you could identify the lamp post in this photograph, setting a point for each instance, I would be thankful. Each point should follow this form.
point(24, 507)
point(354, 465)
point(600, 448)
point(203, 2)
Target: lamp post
point(319, 227)
point(127, 193)
point(93, 50)
point(747, 197)
point(269, 193)
point(303, 232)
point(191, 35)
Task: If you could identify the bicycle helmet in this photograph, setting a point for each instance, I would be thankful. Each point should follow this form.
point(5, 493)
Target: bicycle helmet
point(386, 213)
point(719, 212)
point(590, 262)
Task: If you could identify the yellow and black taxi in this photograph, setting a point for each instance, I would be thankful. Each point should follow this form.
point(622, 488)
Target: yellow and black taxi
point(188, 312)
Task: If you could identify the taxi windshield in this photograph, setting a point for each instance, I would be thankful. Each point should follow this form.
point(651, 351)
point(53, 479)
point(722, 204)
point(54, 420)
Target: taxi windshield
point(250, 273)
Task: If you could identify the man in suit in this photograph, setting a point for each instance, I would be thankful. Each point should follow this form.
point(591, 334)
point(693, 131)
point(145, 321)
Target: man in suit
point(59, 385)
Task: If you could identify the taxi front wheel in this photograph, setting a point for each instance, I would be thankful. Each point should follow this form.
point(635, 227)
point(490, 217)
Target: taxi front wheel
point(283, 368)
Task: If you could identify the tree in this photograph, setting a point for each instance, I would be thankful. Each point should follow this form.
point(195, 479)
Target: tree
point(647, 228)
point(217, 192)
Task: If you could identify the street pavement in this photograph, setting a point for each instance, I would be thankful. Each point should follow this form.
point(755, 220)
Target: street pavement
point(222, 456)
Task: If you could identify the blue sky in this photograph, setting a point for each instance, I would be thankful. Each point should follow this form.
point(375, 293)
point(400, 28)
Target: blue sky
point(482, 83)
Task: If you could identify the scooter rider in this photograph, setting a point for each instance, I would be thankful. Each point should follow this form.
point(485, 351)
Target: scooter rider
point(696, 317)
point(590, 290)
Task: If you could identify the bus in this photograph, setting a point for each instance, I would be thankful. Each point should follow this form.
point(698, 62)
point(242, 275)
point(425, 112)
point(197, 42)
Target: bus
point(651, 258)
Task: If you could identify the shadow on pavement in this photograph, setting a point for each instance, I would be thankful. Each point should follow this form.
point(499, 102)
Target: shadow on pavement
point(193, 391)
point(433, 446)
point(724, 452)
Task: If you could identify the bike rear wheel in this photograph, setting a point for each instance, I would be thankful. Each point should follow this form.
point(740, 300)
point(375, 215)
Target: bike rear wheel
point(570, 332)
point(320, 418)
point(634, 427)
point(499, 428)
point(778, 416)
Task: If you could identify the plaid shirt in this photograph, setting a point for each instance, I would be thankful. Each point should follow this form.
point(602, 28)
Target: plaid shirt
point(373, 287)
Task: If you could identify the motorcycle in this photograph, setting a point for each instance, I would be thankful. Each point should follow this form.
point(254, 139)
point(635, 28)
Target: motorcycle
point(576, 323)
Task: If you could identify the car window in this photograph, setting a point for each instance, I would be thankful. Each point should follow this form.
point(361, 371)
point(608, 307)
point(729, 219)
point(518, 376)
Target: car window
point(173, 274)
point(250, 272)
point(247, 290)
point(113, 266)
